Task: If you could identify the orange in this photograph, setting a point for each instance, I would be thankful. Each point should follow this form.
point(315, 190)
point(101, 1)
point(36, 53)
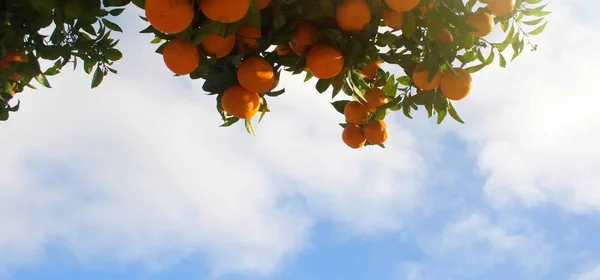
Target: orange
point(420, 77)
point(353, 15)
point(283, 50)
point(370, 70)
point(240, 102)
point(426, 8)
point(181, 57)
point(375, 98)
point(304, 36)
point(249, 31)
point(225, 11)
point(246, 45)
point(393, 19)
point(456, 87)
point(263, 3)
point(256, 74)
point(13, 56)
point(325, 61)
point(354, 136)
point(376, 132)
point(445, 36)
point(169, 16)
point(501, 7)
point(483, 22)
point(402, 5)
point(215, 45)
point(356, 113)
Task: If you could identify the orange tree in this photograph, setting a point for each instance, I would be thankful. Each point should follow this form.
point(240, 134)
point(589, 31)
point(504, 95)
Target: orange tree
point(239, 48)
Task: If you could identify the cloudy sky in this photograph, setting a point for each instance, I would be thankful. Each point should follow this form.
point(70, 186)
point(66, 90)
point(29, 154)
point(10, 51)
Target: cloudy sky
point(135, 180)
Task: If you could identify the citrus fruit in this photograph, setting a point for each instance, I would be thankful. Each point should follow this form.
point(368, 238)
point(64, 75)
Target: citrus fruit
point(249, 31)
point(420, 77)
point(456, 87)
point(354, 136)
point(181, 57)
point(240, 102)
point(482, 21)
point(370, 70)
point(256, 74)
point(304, 36)
point(356, 113)
point(283, 49)
point(263, 3)
point(353, 15)
point(501, 7)
point(225, 11)
point(375, 98)
point(325, 61)
point(215, 45)
point(445, 36)
point(171, 16)
point(393, 19)
point(376, 132)
point(402, 5)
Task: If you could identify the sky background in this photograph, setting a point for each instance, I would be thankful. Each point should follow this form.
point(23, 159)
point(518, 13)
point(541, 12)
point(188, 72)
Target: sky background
point(135, 180)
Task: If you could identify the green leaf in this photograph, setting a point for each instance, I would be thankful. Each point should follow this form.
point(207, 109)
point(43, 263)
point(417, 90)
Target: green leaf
point(116, 12)
point(98, 77)
point(250, 127)
point(41, 78)
point(538, 30)
point(323, 85)
point(453, 113)
point(111, 25)
point(340, 105)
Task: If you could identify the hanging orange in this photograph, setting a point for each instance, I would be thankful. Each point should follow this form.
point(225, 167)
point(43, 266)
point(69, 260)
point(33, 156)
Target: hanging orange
point(304, 36)
point(256, 74)
point(217, 46)
point(240, 102)
point(353, 136)
point(353, 15)
point(169, 16)
point(181, 57)
point(325, 61)
point(225, 11)
point(420, 77)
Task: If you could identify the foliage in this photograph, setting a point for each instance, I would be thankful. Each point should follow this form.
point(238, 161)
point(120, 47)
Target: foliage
point(79, 32)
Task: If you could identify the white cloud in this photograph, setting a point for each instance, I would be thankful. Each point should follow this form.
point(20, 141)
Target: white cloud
point(534, 124)
point(138, 171)
point(474, 244)
point(591, 274)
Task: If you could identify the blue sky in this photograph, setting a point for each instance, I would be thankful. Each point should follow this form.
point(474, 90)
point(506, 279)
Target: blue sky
point(134, 180)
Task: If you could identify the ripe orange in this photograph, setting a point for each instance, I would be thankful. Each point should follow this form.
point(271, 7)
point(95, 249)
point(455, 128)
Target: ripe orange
point(215, 45)
point(456, 87)
point(256, 74)
point(325, 61)
point(181, 57)
point(483, 22)
point(420, 77)
point(246, 45)
point(353, 15)
point(13, 56)
point(393, 19)
point(354, 136)
point(249, 31)
point(402, 5)
point(225, 11)
point(376, 132)
point(445, 36)
point(370, 70)
point(283, 50)
point(375, 98)
point(263, 3)
point(171, 16)
point(304, 36)
point(501, 7)
point(356, 113)
point(240, 102)
point(430, 5)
